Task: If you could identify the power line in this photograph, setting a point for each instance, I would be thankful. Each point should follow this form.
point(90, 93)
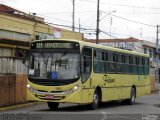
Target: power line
point(67, 22)
point(53, 18)
point(136, 13)
point(69, 12)
point(47, 23)
point(131, 20)
point(66, 26)
point(69, 26)
point(133, 6)
point(119, 40)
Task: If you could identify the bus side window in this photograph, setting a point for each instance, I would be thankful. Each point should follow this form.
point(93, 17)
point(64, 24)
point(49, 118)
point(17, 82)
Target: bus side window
point(86, 63)
point(127, 66)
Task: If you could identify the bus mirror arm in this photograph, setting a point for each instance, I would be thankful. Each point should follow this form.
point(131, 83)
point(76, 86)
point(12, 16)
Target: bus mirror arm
point(24, 59)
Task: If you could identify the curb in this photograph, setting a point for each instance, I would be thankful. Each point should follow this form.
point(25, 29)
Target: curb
point(155, 92)
point(20, 106)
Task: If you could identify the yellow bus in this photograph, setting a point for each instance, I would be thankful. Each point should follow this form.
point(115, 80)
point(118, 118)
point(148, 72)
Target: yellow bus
point(72, 71)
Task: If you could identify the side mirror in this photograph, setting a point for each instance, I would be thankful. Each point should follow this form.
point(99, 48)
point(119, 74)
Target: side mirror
point(24, 60)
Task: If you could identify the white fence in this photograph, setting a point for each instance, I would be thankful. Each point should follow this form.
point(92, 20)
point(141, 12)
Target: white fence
point(12, 65)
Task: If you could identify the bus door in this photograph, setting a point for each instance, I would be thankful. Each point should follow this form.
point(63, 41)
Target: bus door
point(86, 68)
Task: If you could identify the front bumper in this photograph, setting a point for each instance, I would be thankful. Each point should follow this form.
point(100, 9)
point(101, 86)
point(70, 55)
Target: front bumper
point(55, 96)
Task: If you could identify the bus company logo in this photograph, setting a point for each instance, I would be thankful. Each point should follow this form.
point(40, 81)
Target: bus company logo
point(149, 117)
point(108, 79)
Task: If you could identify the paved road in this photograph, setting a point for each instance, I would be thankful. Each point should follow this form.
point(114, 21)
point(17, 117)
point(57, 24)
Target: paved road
point(146, 108)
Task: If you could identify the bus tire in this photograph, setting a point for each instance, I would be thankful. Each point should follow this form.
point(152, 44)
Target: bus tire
point(95, 103)
point(53, 105)
point(131, 100)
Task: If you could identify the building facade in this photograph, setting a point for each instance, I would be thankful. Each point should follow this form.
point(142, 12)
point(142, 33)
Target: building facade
point(18, 29)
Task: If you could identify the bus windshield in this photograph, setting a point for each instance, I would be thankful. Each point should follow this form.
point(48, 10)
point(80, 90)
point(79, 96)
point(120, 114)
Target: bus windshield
point(54, 65)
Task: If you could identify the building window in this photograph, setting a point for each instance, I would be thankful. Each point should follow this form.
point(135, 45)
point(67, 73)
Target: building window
point(37, 37)
point(15, 35)
point(145, 50)
point(150, 52)
point(154, 54)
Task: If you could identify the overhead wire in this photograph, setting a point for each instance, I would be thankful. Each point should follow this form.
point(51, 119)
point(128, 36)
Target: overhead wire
point(64, 12)
point(119, 40)
point(112, 15)
point(70, 27)
point(140, 16)
point(122, 5)
point(130, 20)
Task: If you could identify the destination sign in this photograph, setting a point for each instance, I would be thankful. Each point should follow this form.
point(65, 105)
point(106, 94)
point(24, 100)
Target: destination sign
point(55, 45)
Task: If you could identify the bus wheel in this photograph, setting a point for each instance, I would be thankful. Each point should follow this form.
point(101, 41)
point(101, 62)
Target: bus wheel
point(96, 98)
point(53, 105)
point(131, 100)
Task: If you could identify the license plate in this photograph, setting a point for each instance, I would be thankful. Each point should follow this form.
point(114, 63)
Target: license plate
point(49, 97)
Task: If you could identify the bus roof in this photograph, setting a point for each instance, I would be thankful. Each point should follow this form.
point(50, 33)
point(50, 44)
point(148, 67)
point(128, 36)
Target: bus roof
point(97, 46)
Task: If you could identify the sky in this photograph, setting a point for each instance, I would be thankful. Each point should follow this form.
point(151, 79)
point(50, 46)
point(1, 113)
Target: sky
point(118, 18)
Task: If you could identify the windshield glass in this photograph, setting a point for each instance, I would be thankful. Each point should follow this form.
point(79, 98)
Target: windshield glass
point(60, 65)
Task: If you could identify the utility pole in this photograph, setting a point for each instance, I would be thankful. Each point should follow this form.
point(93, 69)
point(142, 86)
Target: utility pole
point(97, 29)
point(79, 26)
point(73, 15)
point(157, 55)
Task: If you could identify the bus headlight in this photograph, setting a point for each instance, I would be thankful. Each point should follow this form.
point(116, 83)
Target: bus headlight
point(31, 89)
point(28, 86)
point(75, 88)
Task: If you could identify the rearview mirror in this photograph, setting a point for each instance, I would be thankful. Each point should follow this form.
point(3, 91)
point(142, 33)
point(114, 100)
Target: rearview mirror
point(25, 58)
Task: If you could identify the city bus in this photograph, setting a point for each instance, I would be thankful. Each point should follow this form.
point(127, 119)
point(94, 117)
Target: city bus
point(72, 71)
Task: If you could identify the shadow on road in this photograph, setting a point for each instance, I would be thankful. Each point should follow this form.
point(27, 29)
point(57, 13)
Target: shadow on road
point(82, 108)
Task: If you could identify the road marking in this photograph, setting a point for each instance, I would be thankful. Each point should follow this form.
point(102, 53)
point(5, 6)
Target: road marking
point(106, 116)
point(128, 118)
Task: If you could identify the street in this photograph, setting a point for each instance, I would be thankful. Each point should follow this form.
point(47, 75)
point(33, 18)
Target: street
point(146, 108)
